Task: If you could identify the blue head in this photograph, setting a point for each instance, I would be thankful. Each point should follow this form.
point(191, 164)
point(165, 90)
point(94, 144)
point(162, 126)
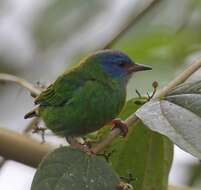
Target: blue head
point(118, 65)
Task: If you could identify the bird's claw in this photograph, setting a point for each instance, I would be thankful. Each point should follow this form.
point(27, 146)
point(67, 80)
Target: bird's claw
point(81, 146)
point(89, 142)
point(85, 148)
point(120, 124)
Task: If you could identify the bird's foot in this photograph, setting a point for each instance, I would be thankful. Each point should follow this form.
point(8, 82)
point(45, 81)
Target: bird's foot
point(77, 145)
point(40, 130)
point(89, 142)
point(120, 124)
point(84, 148)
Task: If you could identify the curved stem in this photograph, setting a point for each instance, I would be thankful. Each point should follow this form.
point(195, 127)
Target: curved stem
point(22, 82)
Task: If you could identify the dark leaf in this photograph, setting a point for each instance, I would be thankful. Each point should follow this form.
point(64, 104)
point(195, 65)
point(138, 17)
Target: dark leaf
point(145, 155)
point(72, 169)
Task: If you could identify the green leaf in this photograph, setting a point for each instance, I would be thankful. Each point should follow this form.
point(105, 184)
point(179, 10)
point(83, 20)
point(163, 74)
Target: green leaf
point(178, 116)
point(72, 169)
point(194, 175)
point(145, 154)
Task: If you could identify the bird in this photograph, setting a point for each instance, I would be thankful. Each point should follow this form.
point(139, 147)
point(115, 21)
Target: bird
point(88, 96)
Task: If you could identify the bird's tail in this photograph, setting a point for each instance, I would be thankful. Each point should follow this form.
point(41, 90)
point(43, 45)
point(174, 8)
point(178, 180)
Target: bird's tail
point(32, 113)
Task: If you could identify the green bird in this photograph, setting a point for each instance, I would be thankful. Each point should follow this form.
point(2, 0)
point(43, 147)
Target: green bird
point(90, 95)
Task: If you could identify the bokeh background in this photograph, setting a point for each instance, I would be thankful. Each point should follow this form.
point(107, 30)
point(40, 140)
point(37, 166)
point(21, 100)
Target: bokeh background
point(40, 39)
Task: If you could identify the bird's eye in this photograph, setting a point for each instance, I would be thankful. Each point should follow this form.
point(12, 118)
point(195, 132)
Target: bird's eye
point(122, 64)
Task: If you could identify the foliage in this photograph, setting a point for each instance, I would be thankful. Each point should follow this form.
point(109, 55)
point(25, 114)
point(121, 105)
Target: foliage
point(177, 116)
point(154, 40)
point(72, 169)
point(144, 154)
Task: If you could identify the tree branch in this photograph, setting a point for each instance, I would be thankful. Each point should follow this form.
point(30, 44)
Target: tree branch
point(21, 148)
point(179, 79)
point(28, 151)
point(22, 82)
point(133, 119)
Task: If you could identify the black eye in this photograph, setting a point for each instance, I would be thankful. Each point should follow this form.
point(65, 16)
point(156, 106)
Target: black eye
point(122, 64)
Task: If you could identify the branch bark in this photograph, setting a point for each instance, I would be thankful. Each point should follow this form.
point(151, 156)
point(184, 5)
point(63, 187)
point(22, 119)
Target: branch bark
point(21, 148)
point(31, 152)
point(20, 81)
point(179, 79)
point(133, 119)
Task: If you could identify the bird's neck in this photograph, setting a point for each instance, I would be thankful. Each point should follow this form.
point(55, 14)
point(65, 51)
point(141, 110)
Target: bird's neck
point(97, 71)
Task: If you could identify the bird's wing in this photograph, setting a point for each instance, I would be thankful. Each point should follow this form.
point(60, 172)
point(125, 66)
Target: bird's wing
point(60, 92)
point(63, 89)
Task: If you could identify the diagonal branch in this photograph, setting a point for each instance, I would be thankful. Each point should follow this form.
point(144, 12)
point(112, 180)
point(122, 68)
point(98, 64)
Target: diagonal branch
point(133, 119)
point(179, 79)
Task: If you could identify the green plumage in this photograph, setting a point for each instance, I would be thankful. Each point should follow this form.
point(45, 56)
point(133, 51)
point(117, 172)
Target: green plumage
point(88, 96)
point(81, 101)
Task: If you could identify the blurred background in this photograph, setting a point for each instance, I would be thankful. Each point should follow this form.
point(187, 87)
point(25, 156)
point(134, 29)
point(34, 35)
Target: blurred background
point(40, 39)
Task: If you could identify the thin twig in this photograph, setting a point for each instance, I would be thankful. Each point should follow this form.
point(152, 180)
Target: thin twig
point(22, 82)
point(179, 79)
point(27, 85)
point(133, 119)
point(136, 15)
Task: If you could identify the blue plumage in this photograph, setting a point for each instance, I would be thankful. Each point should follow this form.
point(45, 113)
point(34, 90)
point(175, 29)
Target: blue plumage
point(115, 63)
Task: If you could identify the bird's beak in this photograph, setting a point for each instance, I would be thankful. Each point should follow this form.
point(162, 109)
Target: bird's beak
point(138, 67)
